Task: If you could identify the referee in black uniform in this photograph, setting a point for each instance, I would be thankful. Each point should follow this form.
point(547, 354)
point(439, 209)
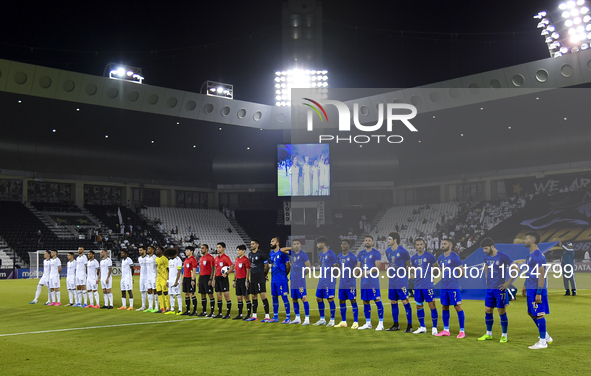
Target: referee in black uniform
point(259, 267)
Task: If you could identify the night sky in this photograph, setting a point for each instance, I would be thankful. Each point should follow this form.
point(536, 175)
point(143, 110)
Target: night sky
point(180, 44)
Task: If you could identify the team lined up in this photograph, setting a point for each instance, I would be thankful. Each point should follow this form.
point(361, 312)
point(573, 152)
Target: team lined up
point(160, 283)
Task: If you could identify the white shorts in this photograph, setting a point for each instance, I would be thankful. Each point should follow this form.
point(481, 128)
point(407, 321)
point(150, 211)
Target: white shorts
point(126, 285)
point(44, 281)
point(174, 290)
point(91, 285)
point(54, 283)
point(151, 285)
point(143, 284)
point(71, 283)
point(105, 285)
point(80, 281)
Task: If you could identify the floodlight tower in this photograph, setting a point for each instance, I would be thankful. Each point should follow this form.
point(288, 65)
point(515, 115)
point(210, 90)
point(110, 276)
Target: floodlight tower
point(567, 29)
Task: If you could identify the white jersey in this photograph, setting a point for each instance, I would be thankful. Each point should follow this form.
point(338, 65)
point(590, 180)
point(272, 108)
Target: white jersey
point(174, 267)
point(81, 262)
point(92, 267)
point(71, 269)
point(126, 268)
point(151, 267)
point(143, 261)
point(105, 266)
point(46, 269)
point(54, 264)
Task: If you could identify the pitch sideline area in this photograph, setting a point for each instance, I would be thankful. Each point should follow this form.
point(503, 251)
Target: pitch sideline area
point(36, 339)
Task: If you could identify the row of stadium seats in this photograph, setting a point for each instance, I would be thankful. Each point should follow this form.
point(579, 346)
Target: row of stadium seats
point(210, 226)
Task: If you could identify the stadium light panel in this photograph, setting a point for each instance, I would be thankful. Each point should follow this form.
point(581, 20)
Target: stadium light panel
point(298, 78)
point(218, 89)
point(124, 72)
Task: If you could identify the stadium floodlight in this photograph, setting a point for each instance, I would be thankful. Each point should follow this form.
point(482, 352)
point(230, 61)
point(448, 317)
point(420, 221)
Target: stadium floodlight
point(299, 79)
point(567, 29)
point(124, 72)
point(218, 89)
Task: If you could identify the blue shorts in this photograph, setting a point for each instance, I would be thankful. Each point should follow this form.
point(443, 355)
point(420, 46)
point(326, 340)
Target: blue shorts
point(424, 295)
point(347, 293)
point(370, 294)
point(279, 288)
point(324, 293)
point(496, 298)
point(398, 294)
point(534, 308)
point(450, 297)
point(299, 293)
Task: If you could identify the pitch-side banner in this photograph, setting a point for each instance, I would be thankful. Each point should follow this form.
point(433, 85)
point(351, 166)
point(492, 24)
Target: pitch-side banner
point(548, 184)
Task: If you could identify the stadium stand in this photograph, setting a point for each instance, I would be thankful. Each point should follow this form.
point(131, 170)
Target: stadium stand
point(262, 225)
point(208, 227)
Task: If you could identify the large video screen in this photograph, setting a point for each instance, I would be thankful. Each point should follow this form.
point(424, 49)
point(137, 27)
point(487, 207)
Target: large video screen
point(303, 170)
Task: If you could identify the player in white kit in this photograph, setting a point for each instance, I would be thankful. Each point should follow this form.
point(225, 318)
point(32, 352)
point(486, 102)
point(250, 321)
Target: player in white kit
point(55, 268)
point(142, 260)
point(81, 262)
point(44, 281)
point(71, 278)
point(106, 279)
point(151, 281)
point(126, 281)
point(174, 275)
point(92, 280)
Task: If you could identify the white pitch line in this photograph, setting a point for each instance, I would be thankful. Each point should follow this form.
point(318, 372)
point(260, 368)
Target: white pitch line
point(98, 327)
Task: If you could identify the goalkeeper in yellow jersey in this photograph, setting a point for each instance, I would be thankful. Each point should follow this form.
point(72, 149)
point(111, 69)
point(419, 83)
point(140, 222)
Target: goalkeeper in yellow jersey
point(162, 277)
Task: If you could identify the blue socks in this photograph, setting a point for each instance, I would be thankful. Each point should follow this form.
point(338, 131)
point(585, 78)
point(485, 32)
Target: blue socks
point(321, 309)
point(421, 316)
point(395, 312)
point(333, 308)
point(445, 315)
point(408, 310)
point(344, 312)
point(489, 320)
point(367, 312)
point(380, 310)
point(275, 307)
point(355, 311)
point(287, 307)
point(542, 327)
point(461, 319)
point(296, 308)
point(504, 322)
point(434, 317)
point(307, 309)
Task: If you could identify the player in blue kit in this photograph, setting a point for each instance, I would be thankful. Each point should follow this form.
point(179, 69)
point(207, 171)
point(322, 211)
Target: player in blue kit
point(451, 272)
point(370, 260)
point(326, 283)
point(279, 285)
point(495, 264)
point(535, 289)
point(347, 285)
point(399, 262)
point(420, 271)
point(299, 263)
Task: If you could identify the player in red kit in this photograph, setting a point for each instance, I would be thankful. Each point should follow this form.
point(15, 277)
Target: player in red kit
point(206, 280)
point(242, 271)
point(189, 267)
point(222, 284)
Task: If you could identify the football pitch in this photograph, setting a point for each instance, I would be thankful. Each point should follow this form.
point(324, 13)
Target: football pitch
point(36, 339)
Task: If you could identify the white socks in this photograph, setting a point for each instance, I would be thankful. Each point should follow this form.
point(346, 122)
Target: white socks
point(96, 297)
point(156, 302)
point(90, 298)
point(131, 302)
point(71, 295)
point(52, 296)
point(110, 299)
point(106, 298)
point(123, 302)
point(150, 301)
point(172, 302)
point(180, 300)
point(38, 292)
point(85, 295)
point(58, 297)
point(144, 293)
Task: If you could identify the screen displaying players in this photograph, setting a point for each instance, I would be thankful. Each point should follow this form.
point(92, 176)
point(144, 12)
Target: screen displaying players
point(303, 170)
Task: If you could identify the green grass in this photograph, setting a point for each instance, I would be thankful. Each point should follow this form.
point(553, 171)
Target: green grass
point(206, 346)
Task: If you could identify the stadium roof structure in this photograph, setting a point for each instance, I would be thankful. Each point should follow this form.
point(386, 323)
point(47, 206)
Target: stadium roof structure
point(68, 124)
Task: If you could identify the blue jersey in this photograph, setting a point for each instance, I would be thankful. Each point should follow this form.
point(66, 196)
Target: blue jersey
point(348, 263)
point(568, 256)
point(327, 260)
point(368, 261)
point(534, 261)
point(448, 281)
point(495, 269)
point(397, 259)
point(422, 264)
point(279, 272)
point(298, 263)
